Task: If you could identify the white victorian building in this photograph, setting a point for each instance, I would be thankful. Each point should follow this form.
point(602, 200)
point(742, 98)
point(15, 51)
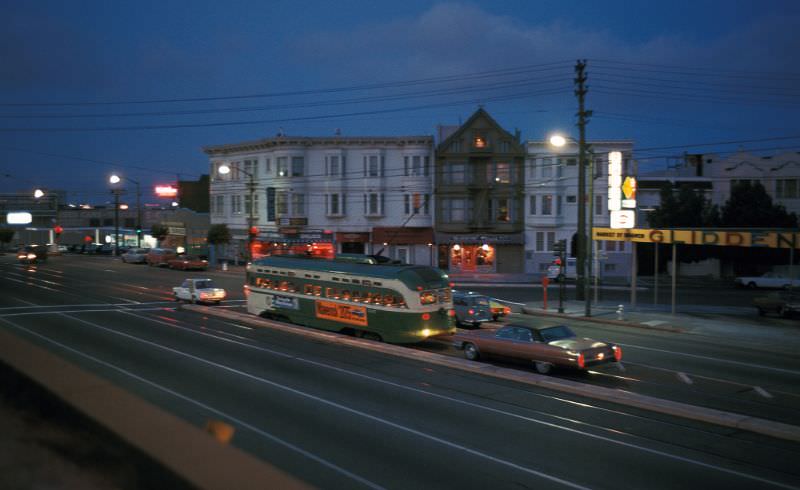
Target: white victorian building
point(552, 200)
point(326, 195)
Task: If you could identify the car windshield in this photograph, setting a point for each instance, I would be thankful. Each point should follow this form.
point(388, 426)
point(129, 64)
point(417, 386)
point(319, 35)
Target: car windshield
point(556, 333)
point(481, 301)
point(204, 284)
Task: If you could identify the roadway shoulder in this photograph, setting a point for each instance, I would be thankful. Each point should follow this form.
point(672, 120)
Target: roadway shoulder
point(677, 409)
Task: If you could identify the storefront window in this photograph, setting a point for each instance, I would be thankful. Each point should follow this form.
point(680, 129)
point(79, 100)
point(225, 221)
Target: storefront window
point(472, 258)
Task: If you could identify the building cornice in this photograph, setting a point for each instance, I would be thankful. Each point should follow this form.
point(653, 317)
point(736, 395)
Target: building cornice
point(308, 141)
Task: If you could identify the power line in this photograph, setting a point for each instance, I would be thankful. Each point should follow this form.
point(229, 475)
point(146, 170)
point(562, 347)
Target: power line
point(713, 71)
point(382, 98)
point(522, 95)
point(489, 73)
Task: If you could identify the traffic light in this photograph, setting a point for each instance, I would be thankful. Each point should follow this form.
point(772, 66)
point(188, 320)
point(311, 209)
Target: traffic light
point(139, 231)
point(253, 231)
point(58, 229)
point(560, 246)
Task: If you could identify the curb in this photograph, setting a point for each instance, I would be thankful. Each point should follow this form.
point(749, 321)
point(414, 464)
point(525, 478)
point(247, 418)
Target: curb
point(621, 323)
point(678, 409)
point(182, 448)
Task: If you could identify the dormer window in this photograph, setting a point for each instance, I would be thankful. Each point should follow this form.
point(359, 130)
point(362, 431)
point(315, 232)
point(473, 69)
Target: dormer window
point(479, 141)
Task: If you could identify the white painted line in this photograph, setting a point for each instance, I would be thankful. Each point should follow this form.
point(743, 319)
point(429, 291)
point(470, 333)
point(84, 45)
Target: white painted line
point(726, 361)
point(654, 323)
point(62, 312)
point(34, 285)
point(436, 395)
point(108, 270)
point(686, 379)
point(239, 326)
point(129, 301)
point(761, 391)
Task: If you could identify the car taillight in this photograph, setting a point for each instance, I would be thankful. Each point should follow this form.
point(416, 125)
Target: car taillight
point(581, 361)
point(617, 353)
point(246, 290)
point(451, 312)
point(426, 316)
point(471, 311)
point(507, 310)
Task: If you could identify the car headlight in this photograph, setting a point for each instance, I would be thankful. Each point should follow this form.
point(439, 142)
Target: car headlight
point(31, 256)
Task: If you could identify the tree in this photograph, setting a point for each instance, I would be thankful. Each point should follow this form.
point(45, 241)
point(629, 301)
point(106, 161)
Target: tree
point(749, 206)
point(218, 234)
point(6, 235)
point(159, 231)
point(689, 209)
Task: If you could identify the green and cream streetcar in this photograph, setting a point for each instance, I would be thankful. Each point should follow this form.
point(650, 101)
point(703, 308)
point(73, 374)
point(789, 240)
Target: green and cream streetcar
point(352, 294)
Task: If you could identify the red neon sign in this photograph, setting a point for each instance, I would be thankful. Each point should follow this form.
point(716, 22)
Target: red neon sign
point(166, 191)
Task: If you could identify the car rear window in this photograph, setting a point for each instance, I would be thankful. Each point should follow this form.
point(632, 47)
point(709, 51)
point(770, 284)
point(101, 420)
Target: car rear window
point(556, 333)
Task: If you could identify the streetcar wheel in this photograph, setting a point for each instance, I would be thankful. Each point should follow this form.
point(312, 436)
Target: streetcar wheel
point(471, 352)
point(543, 367)
point(371, 336)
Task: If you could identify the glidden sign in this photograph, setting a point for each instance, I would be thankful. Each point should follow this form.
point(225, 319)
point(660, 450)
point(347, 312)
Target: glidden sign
point(724, 238)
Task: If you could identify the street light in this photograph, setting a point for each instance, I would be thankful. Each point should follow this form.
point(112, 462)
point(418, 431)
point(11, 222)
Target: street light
point(585, 241)
point(38, 194)
point(116, 179)
point(225, 169)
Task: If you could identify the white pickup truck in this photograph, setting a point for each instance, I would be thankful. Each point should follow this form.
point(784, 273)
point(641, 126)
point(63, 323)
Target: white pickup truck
point(769, 280)
point(199, 291)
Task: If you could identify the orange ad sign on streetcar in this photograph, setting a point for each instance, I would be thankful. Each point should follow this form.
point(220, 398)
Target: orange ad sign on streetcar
point(352, 314)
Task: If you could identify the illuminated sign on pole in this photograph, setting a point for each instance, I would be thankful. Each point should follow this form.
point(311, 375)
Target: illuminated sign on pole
point(621, 194)
point(19, 218)
point(166, 191)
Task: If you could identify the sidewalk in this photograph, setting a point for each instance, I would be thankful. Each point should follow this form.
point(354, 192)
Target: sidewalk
point(729, 322)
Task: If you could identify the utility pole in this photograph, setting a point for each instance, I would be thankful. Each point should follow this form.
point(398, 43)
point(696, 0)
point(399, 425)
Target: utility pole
point(583, 115)
point(116, 222)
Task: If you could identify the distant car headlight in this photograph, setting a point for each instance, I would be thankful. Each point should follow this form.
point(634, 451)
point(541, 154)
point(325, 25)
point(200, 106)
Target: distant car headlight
point(31, 256)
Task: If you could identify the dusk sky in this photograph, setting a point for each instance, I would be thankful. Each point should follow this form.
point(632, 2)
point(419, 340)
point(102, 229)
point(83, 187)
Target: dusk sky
point(91, 87)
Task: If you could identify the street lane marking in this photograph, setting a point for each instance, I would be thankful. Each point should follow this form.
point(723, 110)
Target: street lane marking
point(341, 407)
point(686, 379)
point(240, 326)
point(761, 391)
point(34, 285)
point(108, 270)
point(35, 306)
point(62, 312)
point(129, 301)
point(476, 405)
point(707, 358)
point(202, 405)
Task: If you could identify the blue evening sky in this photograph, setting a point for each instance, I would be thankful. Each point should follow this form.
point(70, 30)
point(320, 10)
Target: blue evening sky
point(664, 74)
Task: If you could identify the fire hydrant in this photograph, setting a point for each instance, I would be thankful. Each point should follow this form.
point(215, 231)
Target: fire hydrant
point(620, 312)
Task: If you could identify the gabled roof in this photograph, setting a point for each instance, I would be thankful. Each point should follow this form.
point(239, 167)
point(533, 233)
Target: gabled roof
point(480, 113)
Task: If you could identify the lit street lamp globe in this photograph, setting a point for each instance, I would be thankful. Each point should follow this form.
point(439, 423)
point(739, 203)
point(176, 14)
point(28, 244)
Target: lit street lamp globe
point(558, 141)
point(224, 169)
point(38, 193)
point(114, 179)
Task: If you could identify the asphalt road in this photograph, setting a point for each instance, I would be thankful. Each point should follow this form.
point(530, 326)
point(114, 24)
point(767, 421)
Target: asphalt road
point(343, 418)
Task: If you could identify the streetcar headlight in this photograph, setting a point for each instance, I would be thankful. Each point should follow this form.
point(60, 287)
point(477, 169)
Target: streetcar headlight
point(426, 332)
point(31, 256)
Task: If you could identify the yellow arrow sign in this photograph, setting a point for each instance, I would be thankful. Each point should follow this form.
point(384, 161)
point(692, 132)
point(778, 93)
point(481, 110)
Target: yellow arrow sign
point(629, 188)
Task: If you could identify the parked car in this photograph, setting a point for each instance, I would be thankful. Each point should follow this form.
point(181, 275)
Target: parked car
point(498, 309)
point(767, 280)
point(199, 291)
point(783, 303)
point(31, 254)
point(104, 249)
point(471, 308)
point(186, 262)
point(545, 347)
point(135, 256)
point(160, 257)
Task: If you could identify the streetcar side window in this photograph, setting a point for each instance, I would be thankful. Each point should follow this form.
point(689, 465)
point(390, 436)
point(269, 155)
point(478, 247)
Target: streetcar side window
point(308, 289)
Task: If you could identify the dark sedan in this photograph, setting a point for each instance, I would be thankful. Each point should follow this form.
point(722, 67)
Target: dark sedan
point(545, 347)
point(186, 262)
point(783, 303)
